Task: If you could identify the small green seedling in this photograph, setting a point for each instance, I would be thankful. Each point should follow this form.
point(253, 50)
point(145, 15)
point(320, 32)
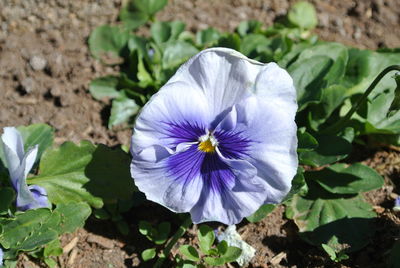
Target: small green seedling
point(209, 255)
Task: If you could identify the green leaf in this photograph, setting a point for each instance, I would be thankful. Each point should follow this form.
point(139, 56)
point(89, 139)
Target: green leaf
point(345, 223)
point(138, 43)
point(101, 214)
point(306, 142)
point(252, 44)
point(311, 79)
point(232, 254)
point(163, 232)
point(53, 249)
point(303, 15)
point(330, 149)
point(160, 31)
point(362, 68)
point(343, 179)
point(308, 76)
point(73, 216)
point(248, 27)
point(137, 12)
point(122, 110)
point(166, 31)
point(29, 230)
point(109, 174)
point(150, 7)
point(396, 100)
point(103, 87)
point(189, 252)
point(50, 262)
point(7, 196)
point(145, 228)
point(191, 265)
point(332, 98)
point(62, 174)
point(206, 238)
point(176, 53)
point(261, 213)
point(298, 184)
point(330, 251)
point(207, 37)
point(214, 261)
point(177, 28)
point(108, 41)
point(222, 247)
point(132, 19)
point(230, 41)
point(148, 254)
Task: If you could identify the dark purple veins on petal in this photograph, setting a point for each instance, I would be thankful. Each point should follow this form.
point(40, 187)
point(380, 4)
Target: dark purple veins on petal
point(191, 163)
point(184, 132)
point(231, 144)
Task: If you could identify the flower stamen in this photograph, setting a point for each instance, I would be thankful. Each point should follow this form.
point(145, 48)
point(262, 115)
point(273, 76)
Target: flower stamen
point(207, 143)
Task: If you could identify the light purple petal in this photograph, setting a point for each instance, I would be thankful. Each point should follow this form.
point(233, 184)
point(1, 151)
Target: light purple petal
point(164, 119)
point(40, 196)
point(1, 256)
point(272, 130)
point(225, 76)
point(230, 206)
point(30, 158)
point(13, 148)
point(152, 176)
point(13, 139)
point(33, 196)
point(274, 84)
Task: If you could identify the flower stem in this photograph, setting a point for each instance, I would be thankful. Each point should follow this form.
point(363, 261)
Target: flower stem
point(179, 233)
point(339, 125)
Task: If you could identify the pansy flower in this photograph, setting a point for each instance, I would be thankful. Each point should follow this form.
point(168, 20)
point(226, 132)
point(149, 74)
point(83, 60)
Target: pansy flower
point(219, 139)
point(19, 164)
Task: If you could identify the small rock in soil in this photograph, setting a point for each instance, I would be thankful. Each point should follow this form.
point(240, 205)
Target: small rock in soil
point(38, 63)
point(28, 84)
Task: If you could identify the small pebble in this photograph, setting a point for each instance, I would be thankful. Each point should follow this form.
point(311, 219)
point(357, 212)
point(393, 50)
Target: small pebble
point(28, 84)
point(37, 63)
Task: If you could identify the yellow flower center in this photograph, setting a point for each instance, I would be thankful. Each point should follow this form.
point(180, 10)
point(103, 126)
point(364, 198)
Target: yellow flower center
point(206, 146)
point(207, 143)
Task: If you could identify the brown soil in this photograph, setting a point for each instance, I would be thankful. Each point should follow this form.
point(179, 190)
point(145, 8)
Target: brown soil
point(45, 69)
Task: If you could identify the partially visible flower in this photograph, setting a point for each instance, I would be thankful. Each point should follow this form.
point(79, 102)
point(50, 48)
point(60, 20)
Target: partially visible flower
point(219, 139)
point(19, 164)
point(397, 204)
point(1, 256)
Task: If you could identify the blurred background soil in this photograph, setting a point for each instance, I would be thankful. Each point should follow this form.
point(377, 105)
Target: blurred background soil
point(45, 69)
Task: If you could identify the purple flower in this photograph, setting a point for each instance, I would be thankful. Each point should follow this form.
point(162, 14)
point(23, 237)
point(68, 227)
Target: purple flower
point(219, 139)
point(19, 164)
point(1, 256)
point(396, 206)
